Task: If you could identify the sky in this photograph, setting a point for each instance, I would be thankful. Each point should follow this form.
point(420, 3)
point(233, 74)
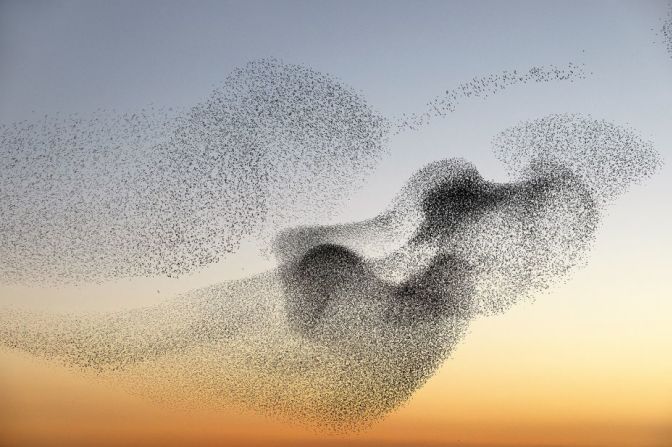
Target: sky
point(586, 364)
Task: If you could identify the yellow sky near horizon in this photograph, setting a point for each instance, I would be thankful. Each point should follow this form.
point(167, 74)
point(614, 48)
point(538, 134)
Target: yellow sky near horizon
point(581, 366)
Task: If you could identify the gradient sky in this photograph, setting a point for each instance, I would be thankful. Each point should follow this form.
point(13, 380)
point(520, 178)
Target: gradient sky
point(587, 364)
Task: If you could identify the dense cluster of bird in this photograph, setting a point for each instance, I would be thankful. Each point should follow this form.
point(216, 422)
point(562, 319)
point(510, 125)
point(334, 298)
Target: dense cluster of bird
point(166, 192)
point(606, 157)
point(483, 87)
point(357, 316)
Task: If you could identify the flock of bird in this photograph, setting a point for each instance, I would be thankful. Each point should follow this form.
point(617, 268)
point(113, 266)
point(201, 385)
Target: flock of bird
point(356, 316)
point(162, 192)
point(483, 87)
point(166, 192)
point(667, 31)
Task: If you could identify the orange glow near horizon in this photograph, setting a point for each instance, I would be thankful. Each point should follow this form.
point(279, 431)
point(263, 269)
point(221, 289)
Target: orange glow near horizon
point(528, 378)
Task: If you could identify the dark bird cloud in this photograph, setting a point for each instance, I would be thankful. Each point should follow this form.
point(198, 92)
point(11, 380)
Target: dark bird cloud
point(357, 316)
